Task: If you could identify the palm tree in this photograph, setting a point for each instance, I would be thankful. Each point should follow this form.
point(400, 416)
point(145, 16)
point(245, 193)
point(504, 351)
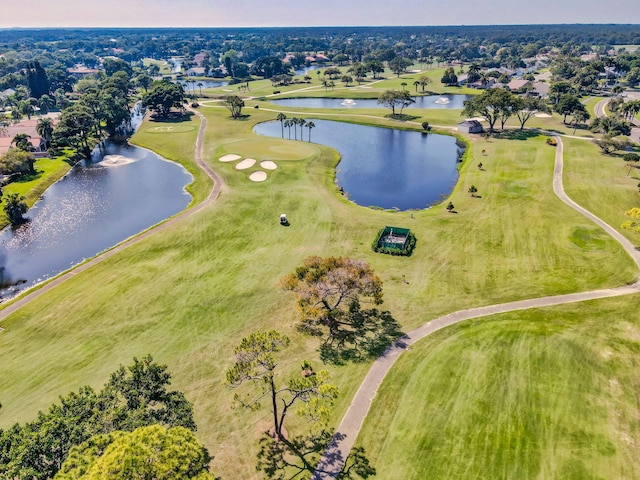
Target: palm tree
point(310, 125)
point(21, 141)
point(200, 87)
point(424, 80)
point(302, 122)
point(281, 118)
point(403, 84)
point(415, 84)
point(287, 123)
point(44, 127)
point(15, 208)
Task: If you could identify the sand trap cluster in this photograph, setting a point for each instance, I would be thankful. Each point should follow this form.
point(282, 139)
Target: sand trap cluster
point(268, 165)
point(116, 160)
point(246, 163)
point(230, 157)
point(258, 175)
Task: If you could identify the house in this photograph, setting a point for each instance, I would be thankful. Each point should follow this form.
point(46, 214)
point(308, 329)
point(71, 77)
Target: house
point(7, 93)
point(195, 72)
point(24, 126)
point(540, 89)
point(81, 71)
point(470, 126)
point(518, 85)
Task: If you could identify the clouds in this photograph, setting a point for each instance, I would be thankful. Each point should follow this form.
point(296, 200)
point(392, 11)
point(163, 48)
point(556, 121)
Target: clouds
point(225, 13)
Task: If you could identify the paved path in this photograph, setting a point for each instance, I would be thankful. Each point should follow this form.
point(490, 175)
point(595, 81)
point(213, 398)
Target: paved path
point(348, 430)
point(213, 195)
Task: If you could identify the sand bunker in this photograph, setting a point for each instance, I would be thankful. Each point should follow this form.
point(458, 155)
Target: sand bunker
point(116, 160)
point(258, 176)
point(268, 165)
point(230, 157)
point(543, 115)
point(246, 163)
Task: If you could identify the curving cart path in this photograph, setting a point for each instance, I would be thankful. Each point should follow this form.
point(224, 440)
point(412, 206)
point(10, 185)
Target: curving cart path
point(213, 195)
point(348, 430)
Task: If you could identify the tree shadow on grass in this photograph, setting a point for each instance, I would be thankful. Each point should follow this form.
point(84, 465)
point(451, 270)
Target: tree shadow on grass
point(172, 117)
point(517, 134)
point(366, 335)
point(298, 457)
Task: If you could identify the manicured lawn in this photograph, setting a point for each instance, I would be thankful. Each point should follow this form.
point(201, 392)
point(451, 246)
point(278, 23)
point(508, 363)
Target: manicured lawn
point(611, 192)
point(190, 292)
point(163, 65)
point(48, 171)
point(549, 393)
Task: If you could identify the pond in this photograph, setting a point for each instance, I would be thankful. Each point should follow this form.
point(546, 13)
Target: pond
point(383, 167)
point(122, 191)
point(196, 84)
point(429, 101)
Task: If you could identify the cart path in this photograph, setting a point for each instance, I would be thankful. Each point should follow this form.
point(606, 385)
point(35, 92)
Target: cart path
point(213, 195)
point(348, 430)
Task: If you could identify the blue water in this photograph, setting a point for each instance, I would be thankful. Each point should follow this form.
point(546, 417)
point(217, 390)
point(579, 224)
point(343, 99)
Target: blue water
point(429, 101)
point(383, 167)
point(91, 209)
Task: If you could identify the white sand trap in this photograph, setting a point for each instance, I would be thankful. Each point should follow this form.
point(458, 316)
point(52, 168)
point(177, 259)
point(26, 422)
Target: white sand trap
point(268, 165)
point(543, 115)
point(258, 176)
point(246, 163)
point(230, 157)
point(116, 160)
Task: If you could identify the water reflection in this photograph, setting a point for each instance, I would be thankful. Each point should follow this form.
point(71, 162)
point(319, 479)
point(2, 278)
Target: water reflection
point(122, 191)
point(429, 102)
point(384, 167)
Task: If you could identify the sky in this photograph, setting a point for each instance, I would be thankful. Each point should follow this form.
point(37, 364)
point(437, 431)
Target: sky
point(275, 13)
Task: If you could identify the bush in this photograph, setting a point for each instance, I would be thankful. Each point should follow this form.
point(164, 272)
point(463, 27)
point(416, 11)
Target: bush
point(552, 141)
point(631, 157)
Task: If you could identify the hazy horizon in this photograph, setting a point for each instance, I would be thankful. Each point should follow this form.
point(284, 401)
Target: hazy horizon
point(300, 13)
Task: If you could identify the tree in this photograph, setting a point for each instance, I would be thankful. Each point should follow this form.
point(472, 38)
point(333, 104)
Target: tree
point(310, 125)
point(164, 96)
point(234, 104)
point(580, 116)
point(567, 105)
point(133, 397)
point(17, 161)
point(15, 208)
point(331, 293)
point(473, 190)
point(450, 207)
point(346, 79)
point(281, 118)
point(22, 141)
point(375, 67)
point(75, 127)
point(393, 99)
point(526, 107)
point(424, 81)
point(610, 126)
point(492, 104)
point(146, 452)
point(449, 77)
point(143, 80)
point(256, 364)
point(399, 65)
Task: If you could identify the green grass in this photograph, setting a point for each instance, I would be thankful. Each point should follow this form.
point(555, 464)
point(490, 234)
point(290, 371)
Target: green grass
point(189, 293)
point(48, 171)
point(548, 393)
point(610, 193)
point(163, 65)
